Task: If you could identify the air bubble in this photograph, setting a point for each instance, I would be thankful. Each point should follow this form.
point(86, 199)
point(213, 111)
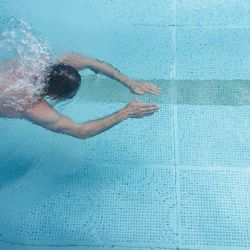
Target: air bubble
point(24, 58)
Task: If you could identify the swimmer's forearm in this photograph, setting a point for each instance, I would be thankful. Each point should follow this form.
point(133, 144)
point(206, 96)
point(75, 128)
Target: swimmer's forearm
point(81, 62)
point(93, 128)
point(111, 72)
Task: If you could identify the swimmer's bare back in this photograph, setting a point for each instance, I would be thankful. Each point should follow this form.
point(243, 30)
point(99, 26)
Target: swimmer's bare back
point(43, 114)
point(8, 75)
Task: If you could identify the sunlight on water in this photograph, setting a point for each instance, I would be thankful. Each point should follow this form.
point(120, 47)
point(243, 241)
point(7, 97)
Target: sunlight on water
point(24, 59)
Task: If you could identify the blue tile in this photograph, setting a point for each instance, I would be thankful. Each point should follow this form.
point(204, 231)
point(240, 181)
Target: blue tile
point(124, 12)
point(20, 150)
point(7, 246)
point(214, 208)
point(212, 53)
point(213, 135)
point(140, 51)
point(105, 12)
point(212, 92)
point(212, 13)
point(98, 205)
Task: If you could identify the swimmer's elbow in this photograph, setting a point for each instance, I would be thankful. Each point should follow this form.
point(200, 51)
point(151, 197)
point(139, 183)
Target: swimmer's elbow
point(64, 125)
point(81, 133)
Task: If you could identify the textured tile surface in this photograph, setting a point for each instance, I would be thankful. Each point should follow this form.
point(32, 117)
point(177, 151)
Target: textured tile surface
point(124, 12)
point(214, 208)
point(211, 53)
point(141, 51)
point(211, 92)
point(71, 197)
point(213, 135)
point(213, 13)
point(96, 206)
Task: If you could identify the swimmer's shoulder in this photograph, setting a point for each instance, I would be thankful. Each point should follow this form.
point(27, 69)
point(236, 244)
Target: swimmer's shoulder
point(41, 112)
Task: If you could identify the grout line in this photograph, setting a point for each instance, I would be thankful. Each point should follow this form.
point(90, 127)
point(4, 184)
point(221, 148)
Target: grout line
point(186, 26)
point(174, 124)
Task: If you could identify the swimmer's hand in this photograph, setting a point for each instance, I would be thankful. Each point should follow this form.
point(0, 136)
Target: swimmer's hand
point(136, 109)
point(141, 88)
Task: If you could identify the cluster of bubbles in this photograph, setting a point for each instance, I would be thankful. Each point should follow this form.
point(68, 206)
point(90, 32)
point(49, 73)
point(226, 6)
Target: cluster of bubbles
point(24, 60)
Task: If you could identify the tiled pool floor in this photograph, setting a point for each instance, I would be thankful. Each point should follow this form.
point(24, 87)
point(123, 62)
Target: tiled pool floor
point(177, 180)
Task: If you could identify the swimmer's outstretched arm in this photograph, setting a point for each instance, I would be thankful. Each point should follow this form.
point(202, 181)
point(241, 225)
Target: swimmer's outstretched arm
point(81, 62)
point(45, 116)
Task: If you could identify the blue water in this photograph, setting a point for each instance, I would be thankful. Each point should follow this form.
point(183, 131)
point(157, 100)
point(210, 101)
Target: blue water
point(179, 179)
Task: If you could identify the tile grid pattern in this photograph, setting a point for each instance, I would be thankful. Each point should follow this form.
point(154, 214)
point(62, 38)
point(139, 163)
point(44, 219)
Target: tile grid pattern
point(205, 219)
point(189, 233)
point(174, 120)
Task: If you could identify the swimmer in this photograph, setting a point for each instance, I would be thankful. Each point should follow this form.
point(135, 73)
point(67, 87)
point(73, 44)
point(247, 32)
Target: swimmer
point(63, 82)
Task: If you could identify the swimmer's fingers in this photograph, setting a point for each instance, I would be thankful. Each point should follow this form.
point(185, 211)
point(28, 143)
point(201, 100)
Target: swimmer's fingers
point(137, 109)
point(141, 88)
point(151, 88)
point(154, 91)
point(149, 109)
point(142, 115)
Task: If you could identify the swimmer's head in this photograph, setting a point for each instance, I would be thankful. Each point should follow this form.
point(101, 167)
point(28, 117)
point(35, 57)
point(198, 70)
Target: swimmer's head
point(63, 81)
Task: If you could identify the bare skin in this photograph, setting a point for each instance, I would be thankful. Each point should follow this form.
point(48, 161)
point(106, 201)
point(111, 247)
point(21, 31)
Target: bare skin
point(43, 114)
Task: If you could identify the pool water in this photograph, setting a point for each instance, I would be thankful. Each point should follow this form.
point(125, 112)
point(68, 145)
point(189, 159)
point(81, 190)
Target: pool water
point(176, 180)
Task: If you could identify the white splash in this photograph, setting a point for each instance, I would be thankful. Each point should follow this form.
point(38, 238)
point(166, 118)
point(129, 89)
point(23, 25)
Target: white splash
point(23, 61)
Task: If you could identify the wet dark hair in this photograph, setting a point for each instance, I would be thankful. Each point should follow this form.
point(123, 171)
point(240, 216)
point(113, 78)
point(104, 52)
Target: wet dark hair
point(62, 81)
